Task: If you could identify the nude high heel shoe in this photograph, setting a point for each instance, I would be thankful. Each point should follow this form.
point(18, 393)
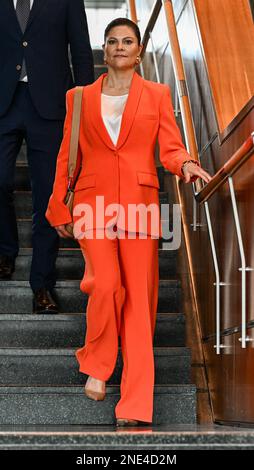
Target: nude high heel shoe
point(126, 422)
point(95, 389)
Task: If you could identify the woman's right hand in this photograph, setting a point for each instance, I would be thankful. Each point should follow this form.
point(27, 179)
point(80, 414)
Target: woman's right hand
point(62, 232)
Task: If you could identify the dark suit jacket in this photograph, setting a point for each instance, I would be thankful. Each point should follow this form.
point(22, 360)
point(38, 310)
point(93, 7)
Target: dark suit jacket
point(53, 25)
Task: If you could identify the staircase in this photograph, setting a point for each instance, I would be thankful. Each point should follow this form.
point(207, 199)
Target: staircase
point(39, 379)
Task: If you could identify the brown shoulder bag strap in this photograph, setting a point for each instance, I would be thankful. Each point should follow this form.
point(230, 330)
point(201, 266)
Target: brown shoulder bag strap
point(73, 154)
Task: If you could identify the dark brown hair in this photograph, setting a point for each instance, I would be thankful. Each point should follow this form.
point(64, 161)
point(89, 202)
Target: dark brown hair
point(123, 22)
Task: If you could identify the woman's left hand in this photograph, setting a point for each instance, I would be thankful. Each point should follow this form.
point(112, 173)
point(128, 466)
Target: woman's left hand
point(191, 169)
point(62, 232)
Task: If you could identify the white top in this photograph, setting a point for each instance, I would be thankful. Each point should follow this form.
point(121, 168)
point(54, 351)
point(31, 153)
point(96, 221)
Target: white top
point(112, 108)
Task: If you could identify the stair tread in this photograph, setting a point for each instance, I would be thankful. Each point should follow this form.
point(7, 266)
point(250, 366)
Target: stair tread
point(76, 282)
point(79, 389)
point(100, 437)
point(158, 351)
point(72, 316)
point(77, 252)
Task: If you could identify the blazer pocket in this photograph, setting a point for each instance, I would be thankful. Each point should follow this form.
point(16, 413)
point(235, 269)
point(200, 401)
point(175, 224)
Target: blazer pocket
point(85, 181)
point(147, 116)
point(148, 179)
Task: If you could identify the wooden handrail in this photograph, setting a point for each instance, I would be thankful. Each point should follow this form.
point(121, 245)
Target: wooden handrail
point(228, 169)
point(156, 8)
point(179, 72)
point(133, 11)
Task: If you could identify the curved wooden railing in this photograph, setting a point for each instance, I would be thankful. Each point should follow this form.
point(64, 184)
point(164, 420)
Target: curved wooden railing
point(228, 169)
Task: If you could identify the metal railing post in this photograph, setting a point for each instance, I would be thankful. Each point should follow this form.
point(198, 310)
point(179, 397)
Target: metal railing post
point(244, 338)
point(218, 283)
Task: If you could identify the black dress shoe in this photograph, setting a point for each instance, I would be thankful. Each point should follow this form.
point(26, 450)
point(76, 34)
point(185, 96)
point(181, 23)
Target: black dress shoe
point(7, 266)
point(43, 302)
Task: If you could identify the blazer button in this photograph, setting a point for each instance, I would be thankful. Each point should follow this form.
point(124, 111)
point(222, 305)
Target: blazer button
point(18, 67)
point(25, 44)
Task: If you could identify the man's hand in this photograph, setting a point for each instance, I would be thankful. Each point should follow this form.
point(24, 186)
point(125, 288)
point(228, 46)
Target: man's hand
point(62, 232)
point(191, 169)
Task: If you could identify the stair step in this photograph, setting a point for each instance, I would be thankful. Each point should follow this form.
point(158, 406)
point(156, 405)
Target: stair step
point(69, 330)
point(23, 203)
point(69, 405)
point(70, 264)
point(16, 296)
point(22, 156)
point(167, 437)
point(60, 367)
point(22, 178)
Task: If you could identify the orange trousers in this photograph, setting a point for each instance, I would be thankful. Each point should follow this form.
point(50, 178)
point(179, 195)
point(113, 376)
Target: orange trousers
point(122, 279)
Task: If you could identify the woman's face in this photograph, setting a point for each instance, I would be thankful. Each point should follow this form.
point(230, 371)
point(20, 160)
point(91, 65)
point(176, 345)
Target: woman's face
point(121, 48)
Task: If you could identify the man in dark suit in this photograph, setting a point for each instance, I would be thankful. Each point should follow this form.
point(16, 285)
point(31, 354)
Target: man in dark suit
point(35, 74)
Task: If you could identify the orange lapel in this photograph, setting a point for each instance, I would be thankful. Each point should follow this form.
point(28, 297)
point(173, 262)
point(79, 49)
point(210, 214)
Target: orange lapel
point(94, 106)
point(130, 109)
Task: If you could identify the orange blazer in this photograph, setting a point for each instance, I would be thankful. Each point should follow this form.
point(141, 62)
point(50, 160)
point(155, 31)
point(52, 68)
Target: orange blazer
point(124, 173)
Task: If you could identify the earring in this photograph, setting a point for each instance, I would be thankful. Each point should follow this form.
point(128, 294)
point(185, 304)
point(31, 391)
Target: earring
point(104, 60)
point(138, 59)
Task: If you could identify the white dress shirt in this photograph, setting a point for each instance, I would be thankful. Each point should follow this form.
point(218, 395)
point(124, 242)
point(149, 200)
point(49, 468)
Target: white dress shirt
point(112, 108)
point(15, 5)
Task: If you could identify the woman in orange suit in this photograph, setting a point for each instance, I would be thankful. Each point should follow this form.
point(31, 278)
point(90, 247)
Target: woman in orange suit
point(122, 116)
